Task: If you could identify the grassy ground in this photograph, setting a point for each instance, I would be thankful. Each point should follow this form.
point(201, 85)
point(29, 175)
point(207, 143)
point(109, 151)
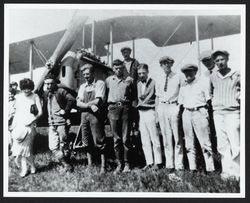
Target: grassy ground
point(49, 177)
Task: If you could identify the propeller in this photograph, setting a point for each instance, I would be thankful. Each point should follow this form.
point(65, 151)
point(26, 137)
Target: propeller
point(64, 45)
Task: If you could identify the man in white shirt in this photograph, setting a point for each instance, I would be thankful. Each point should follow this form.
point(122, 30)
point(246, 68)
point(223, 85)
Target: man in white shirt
point(167, 91)
point(90, 99)
point(146, 106)
point(226, 104)
point(194, 96)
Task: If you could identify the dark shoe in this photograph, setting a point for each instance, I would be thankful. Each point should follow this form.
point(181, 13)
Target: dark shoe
point(126, 168)
point(67, 167)
point(193, 171)
point(170, 170)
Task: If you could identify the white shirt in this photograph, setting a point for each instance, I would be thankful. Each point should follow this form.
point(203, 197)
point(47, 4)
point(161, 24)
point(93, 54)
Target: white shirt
point(143, 86)
point(128, 65)
point(173, 88)
point(194, 94)
point(97, 85)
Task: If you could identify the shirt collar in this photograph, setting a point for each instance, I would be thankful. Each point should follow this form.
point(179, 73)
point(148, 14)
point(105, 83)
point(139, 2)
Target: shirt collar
point(171, 74)
point(119, 79)
point(93, 83)
point(192, 83)
point(230, 73)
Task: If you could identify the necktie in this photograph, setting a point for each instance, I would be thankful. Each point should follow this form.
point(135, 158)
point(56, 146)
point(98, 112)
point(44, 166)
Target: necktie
point(166, 84)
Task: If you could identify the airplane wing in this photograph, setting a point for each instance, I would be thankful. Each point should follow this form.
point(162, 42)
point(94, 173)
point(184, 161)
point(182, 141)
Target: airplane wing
point(155, 28)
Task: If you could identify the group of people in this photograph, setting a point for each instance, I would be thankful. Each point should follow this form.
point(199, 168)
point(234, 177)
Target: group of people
point(205, 105)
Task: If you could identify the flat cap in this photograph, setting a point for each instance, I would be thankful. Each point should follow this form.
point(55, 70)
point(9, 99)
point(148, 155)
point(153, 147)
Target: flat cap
point(189, 67)
point(53, 77)
point(13, 83)
point(166, 58)
point(206, 55)
point(117, 62)
point(219, 52)
point(125, 48)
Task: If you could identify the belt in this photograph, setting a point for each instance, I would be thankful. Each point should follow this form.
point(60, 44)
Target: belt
point(169, 102)
point(118, 103)
point(145, 108)
point(195, 108)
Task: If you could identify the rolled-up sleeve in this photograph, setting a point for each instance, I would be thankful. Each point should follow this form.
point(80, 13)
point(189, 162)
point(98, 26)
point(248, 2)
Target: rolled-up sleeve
point(80, 93)
point(100, 89)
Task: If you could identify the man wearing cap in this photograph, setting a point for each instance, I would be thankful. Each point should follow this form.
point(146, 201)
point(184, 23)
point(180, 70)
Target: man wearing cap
point(167, 91)
point(208, 62)
point(58, 104)
point(120, 97)
point(194, 96)
point(130, 64)
point(90, 99)
point(130, 69)
point(225, 84)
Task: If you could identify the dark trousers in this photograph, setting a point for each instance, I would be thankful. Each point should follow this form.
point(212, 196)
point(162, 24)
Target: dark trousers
point(217, 161)
point(93, 131)
point(120, 127)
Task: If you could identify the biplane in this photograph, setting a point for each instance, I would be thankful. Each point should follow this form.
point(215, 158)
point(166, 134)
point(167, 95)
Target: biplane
point(64, 52)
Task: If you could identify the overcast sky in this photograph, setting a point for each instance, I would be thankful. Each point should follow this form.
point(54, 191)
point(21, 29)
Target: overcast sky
point(25, 22)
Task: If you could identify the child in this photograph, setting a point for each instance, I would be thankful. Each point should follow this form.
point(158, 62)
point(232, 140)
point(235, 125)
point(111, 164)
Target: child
point(28, 109)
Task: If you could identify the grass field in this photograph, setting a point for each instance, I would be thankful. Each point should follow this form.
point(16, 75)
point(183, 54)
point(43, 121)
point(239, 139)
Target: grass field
point(49, 177)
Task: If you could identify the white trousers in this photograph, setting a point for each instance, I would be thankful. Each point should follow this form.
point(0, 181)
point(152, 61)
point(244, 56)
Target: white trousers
point(197, 121)
point(168, 115)
point(150, 138)
point(227, 126)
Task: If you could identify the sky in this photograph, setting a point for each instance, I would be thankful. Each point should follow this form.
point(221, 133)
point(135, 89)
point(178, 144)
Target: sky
point(28, 21)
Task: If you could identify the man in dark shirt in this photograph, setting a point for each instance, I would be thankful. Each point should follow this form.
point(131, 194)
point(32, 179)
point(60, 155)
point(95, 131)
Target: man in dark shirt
point(120, 96)
point(58, 104)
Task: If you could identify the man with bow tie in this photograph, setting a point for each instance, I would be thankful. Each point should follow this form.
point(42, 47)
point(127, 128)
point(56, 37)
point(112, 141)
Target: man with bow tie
point(147, 123)
point(167, 108)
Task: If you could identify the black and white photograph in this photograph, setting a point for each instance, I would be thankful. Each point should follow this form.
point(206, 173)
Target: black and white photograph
point(111, 100)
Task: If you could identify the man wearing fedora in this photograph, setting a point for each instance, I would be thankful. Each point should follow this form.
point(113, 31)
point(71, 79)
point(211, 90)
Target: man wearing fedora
point(167, 108)
point(58, 104)
point(194, 96)
point(225, 84)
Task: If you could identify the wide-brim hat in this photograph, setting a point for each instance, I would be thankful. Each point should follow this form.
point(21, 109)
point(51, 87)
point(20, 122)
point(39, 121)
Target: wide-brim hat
point(189, 67)
point(53, 77)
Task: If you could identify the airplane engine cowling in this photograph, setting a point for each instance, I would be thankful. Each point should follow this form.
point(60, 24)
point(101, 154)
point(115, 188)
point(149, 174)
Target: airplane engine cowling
point(66, 75)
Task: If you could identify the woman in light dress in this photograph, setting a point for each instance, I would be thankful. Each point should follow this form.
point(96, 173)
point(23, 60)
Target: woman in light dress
point(28, 110)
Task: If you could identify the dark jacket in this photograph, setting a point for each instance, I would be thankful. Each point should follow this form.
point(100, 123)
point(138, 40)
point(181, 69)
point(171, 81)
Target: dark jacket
point(133, 70)
point(133, 73)
point(65, 100)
